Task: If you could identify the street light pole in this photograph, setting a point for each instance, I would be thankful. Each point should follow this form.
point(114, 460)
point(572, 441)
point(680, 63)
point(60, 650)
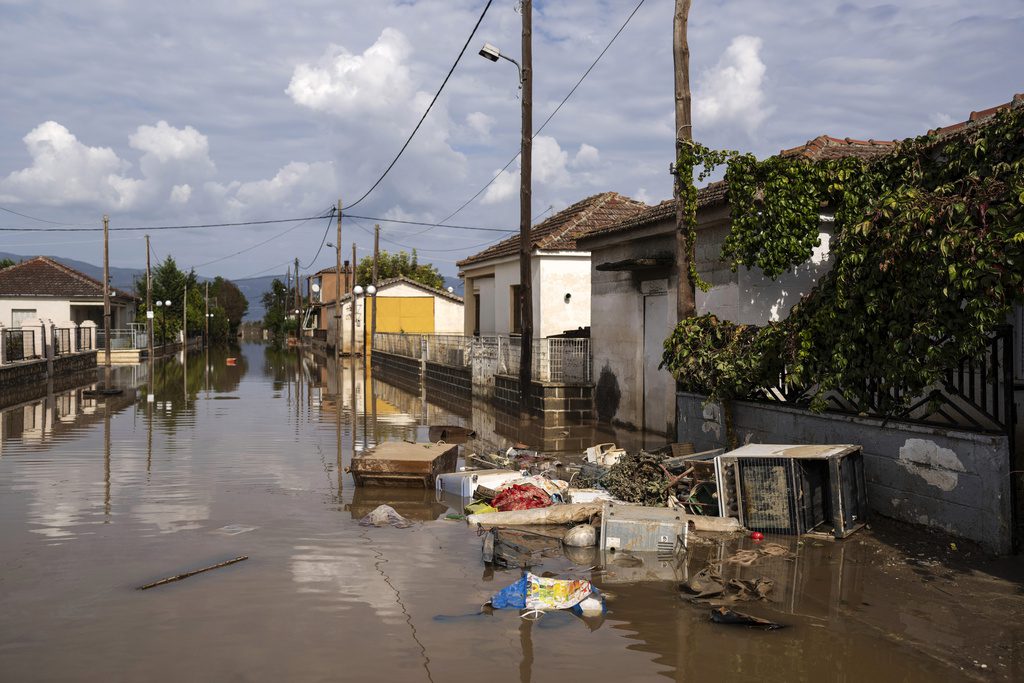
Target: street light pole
point(149, 303)
point(337, 292)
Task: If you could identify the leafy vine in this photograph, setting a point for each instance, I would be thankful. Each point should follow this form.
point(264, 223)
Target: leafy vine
point(928, 254)
point(694, 155)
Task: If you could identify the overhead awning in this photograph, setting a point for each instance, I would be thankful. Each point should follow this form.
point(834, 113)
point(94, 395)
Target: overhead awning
point(645, 263)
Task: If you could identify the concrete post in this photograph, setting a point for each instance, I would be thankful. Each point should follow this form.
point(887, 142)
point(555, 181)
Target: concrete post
point(49, 348)
point(3, 345)
point(91, 326)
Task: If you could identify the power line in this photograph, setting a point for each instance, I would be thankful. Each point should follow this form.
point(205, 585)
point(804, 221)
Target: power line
point(435, 225)
point(32, 218)
point(418, 249)
point(330, 221)
point(429, 107)
point(254, 246)
point(551, 116)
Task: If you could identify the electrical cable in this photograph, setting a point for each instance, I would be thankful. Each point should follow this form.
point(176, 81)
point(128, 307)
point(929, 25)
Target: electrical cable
point(330, 222)
point(169, 227)
point(32, 218)
point(429, 107)
point(551, 116)
point(259, 244)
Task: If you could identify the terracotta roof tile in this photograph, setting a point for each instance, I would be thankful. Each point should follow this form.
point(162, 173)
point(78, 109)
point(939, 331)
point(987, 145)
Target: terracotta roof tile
point(561, 231)
point(713, 194)
point(42, 276)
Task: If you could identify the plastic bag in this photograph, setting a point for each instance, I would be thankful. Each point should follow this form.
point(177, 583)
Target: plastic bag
point(384, 515)
point(521, 497)
point(537, 592)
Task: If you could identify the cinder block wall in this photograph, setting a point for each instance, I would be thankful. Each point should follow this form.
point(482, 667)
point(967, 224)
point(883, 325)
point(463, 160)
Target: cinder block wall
point(949, 479)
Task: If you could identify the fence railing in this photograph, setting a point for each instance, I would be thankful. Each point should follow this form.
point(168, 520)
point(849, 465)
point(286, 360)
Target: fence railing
point(71, 340)
point(408, 345)
point(976, 394)
point(122, 339)
point(555, 359)
point(19, 344)
point(449, 349)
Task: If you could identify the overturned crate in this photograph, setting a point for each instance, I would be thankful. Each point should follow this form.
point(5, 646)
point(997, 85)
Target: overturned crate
point(793, 489)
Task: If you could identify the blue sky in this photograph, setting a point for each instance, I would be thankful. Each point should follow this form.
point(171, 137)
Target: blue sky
point(200, 112)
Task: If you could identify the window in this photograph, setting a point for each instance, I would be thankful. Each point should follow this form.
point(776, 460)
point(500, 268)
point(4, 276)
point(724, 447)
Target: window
point(517, 311)
point(21, 314)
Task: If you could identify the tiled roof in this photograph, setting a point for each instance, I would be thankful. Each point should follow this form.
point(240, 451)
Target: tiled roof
point(821, 147)
point(409, 281)
point(560, 232)
point(42, 276)
point(713, 194)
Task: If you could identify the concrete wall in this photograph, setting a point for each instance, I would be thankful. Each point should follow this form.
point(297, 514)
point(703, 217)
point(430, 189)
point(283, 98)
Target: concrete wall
point(27, 380)
point(944, 478)
point(561, 274)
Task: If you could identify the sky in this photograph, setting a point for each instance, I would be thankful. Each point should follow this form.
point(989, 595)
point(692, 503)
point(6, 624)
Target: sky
point(218, 111)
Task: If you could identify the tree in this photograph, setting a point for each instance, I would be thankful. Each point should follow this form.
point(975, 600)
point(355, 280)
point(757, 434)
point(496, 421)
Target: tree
point(278, 320)
point(393, 265)
point(6, 263)
point(169, 284)
point(229, 298)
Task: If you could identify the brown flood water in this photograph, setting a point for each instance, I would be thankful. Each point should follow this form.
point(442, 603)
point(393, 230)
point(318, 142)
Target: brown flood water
point(98, 497)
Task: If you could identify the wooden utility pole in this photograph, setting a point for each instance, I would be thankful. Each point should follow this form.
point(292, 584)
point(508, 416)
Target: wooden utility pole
point(149, 306)
point(376, 254)
point(525, 212)
point(106, 291)
point(352, 311)
point(337, 300)
point(685, 306)
point(184, 322)
point(206, 316)
point(298, 299)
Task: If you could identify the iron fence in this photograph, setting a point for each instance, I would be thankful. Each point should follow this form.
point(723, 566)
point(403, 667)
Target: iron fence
point(133, 338)
point(449, 349)
point(71, 340)
point(408, 345)
point(555, 359)
point(19, 344)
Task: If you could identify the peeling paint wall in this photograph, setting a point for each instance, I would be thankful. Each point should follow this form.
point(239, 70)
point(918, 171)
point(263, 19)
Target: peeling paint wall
point(953, 480)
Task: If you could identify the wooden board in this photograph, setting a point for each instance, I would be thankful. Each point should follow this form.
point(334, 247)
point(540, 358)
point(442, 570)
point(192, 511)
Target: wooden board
point(400, 463)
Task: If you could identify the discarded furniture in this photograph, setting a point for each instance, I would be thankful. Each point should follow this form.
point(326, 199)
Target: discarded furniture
point(466, 483)
point(400, 463)
point(793, 489)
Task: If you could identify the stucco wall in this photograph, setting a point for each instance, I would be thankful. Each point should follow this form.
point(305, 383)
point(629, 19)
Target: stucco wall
point(953, 480)
point(57, 310)
point(560, 275)
point(448, 316)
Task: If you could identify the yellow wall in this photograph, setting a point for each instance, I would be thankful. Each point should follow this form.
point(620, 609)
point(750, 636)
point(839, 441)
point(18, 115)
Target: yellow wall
point(409, 314)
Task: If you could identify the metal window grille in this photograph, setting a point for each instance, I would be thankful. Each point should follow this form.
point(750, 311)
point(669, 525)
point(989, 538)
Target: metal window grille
point(19, 344)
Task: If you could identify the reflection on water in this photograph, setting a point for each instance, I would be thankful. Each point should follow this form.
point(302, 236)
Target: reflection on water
point(98, 496)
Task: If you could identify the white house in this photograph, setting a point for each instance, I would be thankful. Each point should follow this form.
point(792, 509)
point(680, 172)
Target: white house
point(633, 293)
point(560, 268)
point(41, 288)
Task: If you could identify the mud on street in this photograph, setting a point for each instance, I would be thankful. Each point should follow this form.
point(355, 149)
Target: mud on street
point(99, 496)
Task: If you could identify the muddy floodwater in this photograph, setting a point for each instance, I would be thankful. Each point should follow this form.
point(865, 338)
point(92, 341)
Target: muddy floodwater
point(205, 461)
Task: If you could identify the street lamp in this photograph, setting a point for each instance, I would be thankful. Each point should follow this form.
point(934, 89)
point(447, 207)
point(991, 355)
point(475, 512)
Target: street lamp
point(160, 305)
point(493, 54)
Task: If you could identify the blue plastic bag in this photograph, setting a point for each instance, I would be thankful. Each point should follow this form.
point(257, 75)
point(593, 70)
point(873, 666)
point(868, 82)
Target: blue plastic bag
point(513, 596)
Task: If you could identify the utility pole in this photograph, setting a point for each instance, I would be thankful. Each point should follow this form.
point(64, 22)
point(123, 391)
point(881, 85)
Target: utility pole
point(685, 307)
point(298, 301)
point(184, 322)
point(149, 307)
point(352, 310)
point(376, 254)
point(206, 316)
point(525, 211)
point(337, 298)
point(106, 293)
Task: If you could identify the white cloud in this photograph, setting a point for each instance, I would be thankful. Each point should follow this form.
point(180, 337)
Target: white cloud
point(642, 195)
point(181, 193)
point(345, 84)
point(167, 143)
point(550, 169)
point(297, 185)
point(730, 93)
point(586, 157)
point(65, 171)
point(480, 123)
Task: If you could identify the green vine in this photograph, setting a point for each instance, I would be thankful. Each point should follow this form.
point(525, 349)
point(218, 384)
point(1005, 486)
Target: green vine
point(927, 252)
point(693, 155)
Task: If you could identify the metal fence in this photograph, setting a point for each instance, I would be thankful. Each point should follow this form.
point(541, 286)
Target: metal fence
point(408, 345)
point(449, 349)
point(555, 359)
point(71, 340)
point(19, 344)
point(133, 338)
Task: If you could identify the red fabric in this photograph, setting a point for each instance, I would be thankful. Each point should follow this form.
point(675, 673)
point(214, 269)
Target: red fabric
point(521, 497)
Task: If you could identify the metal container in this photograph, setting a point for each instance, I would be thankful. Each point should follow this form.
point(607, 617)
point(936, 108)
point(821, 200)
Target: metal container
point(635, 528)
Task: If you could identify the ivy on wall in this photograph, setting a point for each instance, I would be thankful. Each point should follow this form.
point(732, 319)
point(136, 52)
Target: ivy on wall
point(928, 253)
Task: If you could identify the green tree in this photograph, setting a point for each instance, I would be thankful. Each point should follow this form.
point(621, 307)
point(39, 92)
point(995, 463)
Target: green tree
point(7, 263)
point(169, 284)
point(231, 300)
point(278, 319)
point(394, 265)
